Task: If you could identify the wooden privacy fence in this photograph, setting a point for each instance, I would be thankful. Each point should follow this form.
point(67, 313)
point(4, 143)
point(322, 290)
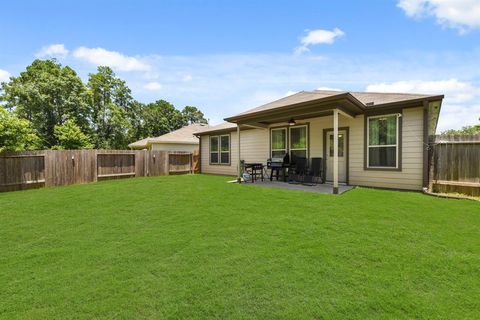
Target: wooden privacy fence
point(45, 168)
point(455, 164)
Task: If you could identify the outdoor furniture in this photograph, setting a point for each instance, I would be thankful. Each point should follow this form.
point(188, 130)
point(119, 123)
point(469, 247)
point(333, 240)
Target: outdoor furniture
point(315, 173)
point(255, 170)
point(297, 173)
point(279, 165)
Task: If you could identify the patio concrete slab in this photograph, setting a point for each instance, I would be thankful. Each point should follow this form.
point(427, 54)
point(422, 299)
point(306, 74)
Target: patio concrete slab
point(326, 188)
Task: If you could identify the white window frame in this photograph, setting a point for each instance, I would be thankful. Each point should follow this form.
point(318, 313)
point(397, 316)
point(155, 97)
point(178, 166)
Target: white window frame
point(271, 141)
point(219, 152)
point(290, 149)
point(385, 145)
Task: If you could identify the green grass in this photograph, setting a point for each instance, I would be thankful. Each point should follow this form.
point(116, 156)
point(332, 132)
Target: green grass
point(196, 247)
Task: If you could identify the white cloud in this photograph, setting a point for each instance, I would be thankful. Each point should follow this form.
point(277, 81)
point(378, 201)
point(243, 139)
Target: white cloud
point(226, 84)
point(4, 75)
point(318, 36)
point(153, 86)
point(53, 51)
point(459, 14)
point(457, 116)
point(454, 90)
point(459, 106)
point(113, 59)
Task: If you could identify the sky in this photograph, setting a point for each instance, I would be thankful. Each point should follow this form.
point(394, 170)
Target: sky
point(229, 56)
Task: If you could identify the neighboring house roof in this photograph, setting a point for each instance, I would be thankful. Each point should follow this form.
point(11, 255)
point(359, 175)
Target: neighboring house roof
point(224, 126)
point(183, 135)
point(363, 101)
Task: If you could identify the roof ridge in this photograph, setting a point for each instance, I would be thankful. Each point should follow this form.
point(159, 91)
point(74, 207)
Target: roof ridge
point(399, 93)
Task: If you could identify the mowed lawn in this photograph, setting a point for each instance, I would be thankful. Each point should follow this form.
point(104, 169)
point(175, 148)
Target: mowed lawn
point(186, 247)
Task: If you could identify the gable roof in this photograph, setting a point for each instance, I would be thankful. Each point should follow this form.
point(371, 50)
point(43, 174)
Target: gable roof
point(183, 135)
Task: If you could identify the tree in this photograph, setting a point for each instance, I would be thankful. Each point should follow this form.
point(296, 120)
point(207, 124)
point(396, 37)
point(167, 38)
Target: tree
point(16, 134)
point(47, 95)
point(111, 104)
point(70, 136)
point(465, 130)
point(192, 114)
point(161, 117)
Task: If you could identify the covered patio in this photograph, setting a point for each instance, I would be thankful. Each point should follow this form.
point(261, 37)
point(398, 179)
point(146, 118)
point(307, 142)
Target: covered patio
point(289, 113)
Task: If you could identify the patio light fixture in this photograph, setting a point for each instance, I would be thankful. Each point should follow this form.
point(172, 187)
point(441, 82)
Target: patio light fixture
point(291, 122)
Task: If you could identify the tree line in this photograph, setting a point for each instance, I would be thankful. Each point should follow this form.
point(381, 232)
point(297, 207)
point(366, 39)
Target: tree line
point(49, 107)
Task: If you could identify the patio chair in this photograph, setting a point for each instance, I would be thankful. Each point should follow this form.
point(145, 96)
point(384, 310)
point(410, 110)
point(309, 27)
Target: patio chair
point(296, 173)
point(315, 174)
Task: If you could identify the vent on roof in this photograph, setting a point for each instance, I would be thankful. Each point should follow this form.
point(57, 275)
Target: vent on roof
point(369, 104)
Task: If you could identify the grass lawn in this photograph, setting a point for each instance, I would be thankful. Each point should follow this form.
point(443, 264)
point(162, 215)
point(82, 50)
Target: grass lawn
point(196, 247)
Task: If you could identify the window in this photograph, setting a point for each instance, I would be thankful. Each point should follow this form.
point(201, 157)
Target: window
point(340, 144)
point(382, 144)
point(298, 142)
point(220, 149)
point(279, 142)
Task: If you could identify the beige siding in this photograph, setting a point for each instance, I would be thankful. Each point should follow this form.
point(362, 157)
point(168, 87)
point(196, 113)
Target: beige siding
point(255, 148)
point(174, 147)
point(206, 167)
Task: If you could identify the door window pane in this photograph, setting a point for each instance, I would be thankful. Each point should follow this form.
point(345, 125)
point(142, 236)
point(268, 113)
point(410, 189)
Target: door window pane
point(279, 142)
point(279, 139)
point(297, 154)
point(382, 131)
point(298, 138)
point(213, 144)
point(341, 138)
point(214, 157)
point(225, 157)
point(225, 143)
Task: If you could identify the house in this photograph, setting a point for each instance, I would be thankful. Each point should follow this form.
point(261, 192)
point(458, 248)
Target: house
point(182, 140)
point(364, 138)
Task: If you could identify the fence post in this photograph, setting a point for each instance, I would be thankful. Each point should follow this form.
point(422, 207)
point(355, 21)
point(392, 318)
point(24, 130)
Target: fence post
point(95, 165)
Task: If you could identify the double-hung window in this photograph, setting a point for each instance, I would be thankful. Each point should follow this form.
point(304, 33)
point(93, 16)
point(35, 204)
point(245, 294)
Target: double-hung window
point(220, 149)
point(383, 141)
point(298, 142)
point(279, 142)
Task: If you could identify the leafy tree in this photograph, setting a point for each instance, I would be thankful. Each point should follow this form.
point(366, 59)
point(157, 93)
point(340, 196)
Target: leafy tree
point(47, 95)
point(135, 116)
point(16, 134)
point(111, 104)
point(161, 117)
point(192, 114)
point(70, 136)
point(465, 130)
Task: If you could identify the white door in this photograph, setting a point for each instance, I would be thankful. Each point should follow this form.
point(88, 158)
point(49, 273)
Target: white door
point(342, 156)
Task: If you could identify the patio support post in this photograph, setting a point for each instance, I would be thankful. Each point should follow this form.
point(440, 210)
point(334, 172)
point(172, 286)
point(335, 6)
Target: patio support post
point(239, 173)
point(335, 151)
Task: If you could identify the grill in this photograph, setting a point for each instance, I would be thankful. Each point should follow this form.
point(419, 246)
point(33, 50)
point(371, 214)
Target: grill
point(277, 165)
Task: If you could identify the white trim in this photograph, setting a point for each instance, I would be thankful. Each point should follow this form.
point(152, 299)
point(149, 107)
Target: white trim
point(219, 151)
point(383, 146)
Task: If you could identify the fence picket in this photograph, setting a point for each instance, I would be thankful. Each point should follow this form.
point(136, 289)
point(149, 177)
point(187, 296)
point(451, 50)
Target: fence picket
point(45, 168)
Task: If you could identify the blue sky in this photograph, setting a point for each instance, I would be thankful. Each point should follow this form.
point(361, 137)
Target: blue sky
point(228, 56)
